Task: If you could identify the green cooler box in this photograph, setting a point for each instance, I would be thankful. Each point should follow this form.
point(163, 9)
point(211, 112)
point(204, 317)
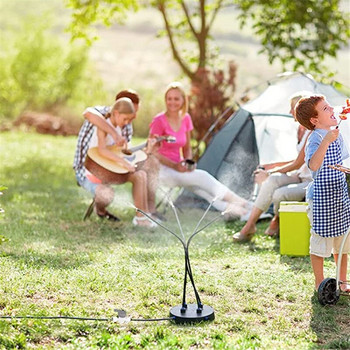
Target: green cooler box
point(294, 229)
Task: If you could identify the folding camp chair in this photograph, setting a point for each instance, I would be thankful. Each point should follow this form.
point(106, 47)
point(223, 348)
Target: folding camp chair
point(89, 210)
point(167, 194)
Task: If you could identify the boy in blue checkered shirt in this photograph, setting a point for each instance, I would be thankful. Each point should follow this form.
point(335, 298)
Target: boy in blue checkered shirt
point(327, 194)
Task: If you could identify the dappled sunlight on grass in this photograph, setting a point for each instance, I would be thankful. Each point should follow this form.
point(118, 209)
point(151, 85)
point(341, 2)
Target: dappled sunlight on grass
point(57, 264)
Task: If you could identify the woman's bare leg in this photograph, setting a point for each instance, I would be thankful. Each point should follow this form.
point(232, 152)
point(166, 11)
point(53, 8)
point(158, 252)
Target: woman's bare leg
point(250, 226)
point(273, 228)
point(234, 198)
point(139, 190)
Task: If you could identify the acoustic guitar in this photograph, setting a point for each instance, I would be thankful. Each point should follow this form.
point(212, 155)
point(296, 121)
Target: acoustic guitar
point(133, 155)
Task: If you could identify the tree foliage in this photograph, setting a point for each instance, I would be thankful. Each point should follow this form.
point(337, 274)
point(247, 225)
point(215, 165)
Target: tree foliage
point(39, 72)
point(299, 33)
point(210, 100)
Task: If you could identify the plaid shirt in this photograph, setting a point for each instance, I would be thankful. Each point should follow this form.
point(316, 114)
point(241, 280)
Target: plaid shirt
point(331, 203)
point(84, 138)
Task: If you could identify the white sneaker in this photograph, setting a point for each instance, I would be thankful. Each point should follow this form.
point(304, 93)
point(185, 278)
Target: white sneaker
point(143, 221)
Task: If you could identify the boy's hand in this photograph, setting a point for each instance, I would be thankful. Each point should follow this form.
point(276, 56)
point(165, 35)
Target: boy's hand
point(119, 140)
point(152, 145)
point(331, 135)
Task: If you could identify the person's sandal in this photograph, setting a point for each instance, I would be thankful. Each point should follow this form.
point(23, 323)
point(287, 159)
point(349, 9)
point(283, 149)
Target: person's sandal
point(143, 221)
point(272, 232)
point(239, 237)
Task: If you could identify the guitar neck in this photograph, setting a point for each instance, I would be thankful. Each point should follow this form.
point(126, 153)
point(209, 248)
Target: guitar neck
point(142, 145)
point(138, 147)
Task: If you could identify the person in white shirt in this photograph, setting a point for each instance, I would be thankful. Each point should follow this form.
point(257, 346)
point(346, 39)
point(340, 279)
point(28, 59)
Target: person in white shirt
point(284, 181)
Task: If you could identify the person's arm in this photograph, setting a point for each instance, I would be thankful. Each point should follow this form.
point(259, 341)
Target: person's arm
point(294, 165)
point(317, 158)
point(168, 162)
point(262, 174)
point(105, 152)
point(187, 149)
point(274, 165)
point(101, 123)
point(152, 146)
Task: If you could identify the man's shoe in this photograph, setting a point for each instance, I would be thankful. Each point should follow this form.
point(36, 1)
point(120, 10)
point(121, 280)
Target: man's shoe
point(109, 216)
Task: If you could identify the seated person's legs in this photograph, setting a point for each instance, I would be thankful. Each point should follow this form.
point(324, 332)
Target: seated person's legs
point(103, 197)
point(151, 167)
point(268, 188)
point(291, 192)
point(139, 193)
point(262, 203)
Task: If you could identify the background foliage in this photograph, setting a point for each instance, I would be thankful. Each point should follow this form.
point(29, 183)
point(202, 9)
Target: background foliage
point(126, 55)
point(39, 71)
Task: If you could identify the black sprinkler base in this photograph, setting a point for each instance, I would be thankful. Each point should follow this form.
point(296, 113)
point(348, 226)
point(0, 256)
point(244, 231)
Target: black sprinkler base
point(191, 315)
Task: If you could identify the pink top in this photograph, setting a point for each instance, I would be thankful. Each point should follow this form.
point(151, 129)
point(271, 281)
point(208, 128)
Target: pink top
point(160, 126)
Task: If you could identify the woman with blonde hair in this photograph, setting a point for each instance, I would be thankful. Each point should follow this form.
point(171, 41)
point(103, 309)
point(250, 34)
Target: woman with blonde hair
point(174, 171)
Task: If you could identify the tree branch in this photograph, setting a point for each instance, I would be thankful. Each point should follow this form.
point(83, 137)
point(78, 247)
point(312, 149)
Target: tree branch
point(215, 12)
point(188, 17)
point(174, 50)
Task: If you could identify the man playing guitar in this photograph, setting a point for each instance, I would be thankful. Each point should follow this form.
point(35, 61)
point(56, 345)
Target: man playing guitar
point(102, 192)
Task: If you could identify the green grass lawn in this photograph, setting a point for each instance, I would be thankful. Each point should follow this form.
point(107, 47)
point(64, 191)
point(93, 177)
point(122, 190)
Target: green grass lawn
point(56, 264)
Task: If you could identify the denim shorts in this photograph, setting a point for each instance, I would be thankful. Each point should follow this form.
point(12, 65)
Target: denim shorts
point(88, 185)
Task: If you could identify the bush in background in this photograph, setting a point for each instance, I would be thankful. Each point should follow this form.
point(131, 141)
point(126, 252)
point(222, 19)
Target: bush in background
point(39, 71)
point(152, 103)
point(210, 98)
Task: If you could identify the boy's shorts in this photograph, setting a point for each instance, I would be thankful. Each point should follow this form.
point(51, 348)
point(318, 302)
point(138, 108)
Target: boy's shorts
point(87, 185)
point(325, 246)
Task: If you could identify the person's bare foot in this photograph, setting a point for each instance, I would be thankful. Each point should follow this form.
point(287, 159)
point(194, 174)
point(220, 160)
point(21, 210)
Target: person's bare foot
point(274, 227)
point(345, 287)
point(246, 234)
point(239, 237)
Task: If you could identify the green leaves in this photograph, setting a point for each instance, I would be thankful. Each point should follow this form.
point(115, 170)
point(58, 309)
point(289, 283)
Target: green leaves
point(92, 12)
point(39, 71)
point(301, 33)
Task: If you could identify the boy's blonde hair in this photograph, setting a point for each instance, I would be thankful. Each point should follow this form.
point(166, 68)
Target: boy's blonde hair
point(175, 85)
point(306, 109)
point(123, 105)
